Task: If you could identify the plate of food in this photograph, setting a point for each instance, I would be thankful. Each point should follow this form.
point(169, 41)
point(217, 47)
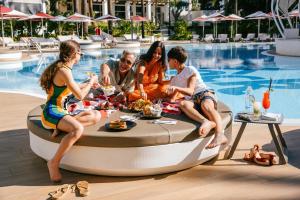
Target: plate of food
point(119, 125)
point(152, 112)
point(139, 105)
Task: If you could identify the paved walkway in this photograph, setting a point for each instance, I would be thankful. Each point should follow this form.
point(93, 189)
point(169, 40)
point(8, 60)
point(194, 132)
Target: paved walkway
point(24, 176)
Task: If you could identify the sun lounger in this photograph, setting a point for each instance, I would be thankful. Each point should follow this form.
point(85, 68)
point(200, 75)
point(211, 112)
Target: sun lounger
point(222, 38)
point(263, 37)
point(195, 38)
point(9, 42)
point(250, 37)
point(128, 37)
point(208, 38)
point(237, 37)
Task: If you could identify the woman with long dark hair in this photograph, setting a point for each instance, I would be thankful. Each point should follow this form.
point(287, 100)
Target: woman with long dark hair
point(57, 80)
point(151, 69)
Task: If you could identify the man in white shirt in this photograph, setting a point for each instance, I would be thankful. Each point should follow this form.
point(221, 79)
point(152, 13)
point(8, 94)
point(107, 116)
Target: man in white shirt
point(189, 84)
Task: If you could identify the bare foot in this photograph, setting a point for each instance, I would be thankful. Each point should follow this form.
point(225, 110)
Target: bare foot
point(205, 128)
point(219, 139)
point(55, 133)
point(54, 173)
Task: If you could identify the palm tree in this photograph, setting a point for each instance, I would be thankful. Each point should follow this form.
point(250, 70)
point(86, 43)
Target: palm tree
point(76, 5)
point(84, 12)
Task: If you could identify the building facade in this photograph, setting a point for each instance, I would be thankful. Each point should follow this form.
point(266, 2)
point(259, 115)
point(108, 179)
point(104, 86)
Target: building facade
point(26, 6)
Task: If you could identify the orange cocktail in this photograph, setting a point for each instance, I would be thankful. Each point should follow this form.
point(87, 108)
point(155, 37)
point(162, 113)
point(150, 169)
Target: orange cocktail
point(266, 100)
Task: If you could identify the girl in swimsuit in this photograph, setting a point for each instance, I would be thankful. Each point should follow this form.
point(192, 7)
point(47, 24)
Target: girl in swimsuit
point(58, 82)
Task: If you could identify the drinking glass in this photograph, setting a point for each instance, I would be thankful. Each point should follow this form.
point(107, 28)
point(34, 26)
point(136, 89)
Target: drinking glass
point(266, 101)
point(256, 110)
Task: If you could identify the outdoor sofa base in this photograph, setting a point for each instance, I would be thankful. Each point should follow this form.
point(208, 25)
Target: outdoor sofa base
point(146, 149)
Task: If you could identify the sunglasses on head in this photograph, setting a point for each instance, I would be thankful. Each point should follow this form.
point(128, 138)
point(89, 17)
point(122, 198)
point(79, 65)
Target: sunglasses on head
point(128, 62)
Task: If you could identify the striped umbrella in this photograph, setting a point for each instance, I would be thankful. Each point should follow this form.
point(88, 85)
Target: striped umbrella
point(3, 10)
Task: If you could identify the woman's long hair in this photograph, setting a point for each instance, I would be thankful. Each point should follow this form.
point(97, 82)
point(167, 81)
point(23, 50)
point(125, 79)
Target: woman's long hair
point(148, 56)
point(67, 52)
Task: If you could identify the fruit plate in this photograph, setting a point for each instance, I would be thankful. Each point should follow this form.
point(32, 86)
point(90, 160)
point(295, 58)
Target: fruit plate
point(129, 124)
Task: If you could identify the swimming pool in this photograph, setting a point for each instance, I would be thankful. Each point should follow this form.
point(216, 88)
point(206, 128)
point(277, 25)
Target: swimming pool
point(227, 68)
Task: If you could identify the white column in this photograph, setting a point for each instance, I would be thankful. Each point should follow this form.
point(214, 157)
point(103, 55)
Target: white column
point(104, 7)
point(134, 8)
point(153, 12)
point(190, 6)
point(44, 7)
point(148, 10)
point(166, 12)
point(127, 10)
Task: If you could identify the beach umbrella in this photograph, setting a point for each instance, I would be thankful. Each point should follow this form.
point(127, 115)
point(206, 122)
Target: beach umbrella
point(215, 17)
point(58, 19)
point(203, 19)
point(14, 14)
point(136, 18)
point(232, 18)
point(3, 10)
point(259, 16)
point(40, 16)
point(107, 18)
point(78, 18)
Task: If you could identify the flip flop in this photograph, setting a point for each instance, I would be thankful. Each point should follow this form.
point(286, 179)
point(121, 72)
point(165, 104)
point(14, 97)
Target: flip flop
point(82, 188)
point(60, 192)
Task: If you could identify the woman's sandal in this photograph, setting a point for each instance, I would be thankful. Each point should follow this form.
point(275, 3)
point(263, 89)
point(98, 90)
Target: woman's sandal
point(60, 192)
point(82, 188)
point(263, 159)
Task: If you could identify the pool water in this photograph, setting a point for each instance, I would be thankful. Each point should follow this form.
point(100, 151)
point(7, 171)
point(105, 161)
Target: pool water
point(227, 68)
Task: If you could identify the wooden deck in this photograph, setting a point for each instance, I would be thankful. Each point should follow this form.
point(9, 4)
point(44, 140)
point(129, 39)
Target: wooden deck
point(24, 176)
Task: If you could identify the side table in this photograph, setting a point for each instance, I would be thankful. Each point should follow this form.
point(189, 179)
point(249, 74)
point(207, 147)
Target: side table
point(279, 141)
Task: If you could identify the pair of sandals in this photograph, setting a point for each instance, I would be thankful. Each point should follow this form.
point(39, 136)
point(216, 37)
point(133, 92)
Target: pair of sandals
point(263, 159)
point(81, 188)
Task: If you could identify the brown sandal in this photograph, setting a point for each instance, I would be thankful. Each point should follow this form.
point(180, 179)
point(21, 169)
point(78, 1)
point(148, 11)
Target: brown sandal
point(82, 188)
point(60, 192)
point(263, 159)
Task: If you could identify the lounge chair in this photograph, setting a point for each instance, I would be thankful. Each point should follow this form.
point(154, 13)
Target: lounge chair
point(9, 42)
point(195, 38)
point(222, 38)
point(250, 37)
point(85, 44)
point(263, 37)
point(237, 37)
point(128, 37)
point(208, 38)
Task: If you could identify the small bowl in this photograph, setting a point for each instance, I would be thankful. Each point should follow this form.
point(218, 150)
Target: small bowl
point(108, 90)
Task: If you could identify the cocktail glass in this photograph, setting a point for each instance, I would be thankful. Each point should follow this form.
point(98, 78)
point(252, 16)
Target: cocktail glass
point(266, 101)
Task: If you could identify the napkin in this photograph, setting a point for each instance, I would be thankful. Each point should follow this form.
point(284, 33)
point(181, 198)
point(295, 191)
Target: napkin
point(170, 122)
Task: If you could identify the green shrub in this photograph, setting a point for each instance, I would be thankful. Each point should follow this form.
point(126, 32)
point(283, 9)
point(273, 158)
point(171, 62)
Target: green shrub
point(181, 31)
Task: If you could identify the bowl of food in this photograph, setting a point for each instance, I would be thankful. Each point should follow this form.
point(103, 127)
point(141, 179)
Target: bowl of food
point(152, 111)
point(108, 90)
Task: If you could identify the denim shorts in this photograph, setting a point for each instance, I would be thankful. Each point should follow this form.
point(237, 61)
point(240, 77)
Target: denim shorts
point(200, 97)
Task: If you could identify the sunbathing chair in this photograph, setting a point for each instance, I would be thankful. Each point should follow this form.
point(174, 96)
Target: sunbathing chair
point(195, 38)
point(237, 37)
point(222, 38)
point(263, 37)
point(127, 37)
point(250, 37)
point(9, 42)
point(208, 38)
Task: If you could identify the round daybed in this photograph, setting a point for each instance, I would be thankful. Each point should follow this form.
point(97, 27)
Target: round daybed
point(146, 149)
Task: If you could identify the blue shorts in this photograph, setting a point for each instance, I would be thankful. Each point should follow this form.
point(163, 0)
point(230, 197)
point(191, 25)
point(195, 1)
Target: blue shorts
point(200, 97)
